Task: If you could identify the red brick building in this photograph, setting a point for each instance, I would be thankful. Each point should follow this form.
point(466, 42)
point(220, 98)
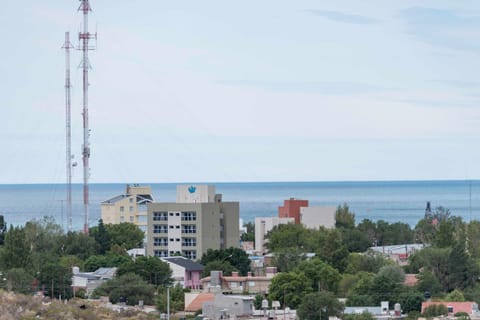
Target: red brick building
point(291, 209)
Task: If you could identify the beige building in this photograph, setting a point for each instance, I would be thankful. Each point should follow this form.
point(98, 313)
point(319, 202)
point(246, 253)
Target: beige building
point(264, 225)
point(201, 221)
point(129, 207)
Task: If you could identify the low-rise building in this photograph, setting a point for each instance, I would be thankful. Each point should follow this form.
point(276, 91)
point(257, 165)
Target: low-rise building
point(128, 207)
point(89, 281)
point(469, 307)
point(236, 284)
point(185, 272)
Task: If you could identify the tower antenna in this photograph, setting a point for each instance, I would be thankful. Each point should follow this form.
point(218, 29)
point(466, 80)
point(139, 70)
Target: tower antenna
point(83, 38)
point(68, 129)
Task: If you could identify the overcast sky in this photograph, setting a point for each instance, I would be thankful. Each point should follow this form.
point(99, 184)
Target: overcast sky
point(195, 91)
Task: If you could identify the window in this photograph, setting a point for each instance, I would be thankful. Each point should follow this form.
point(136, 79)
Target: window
point(189, 228)
point(122, 219)
point(130, 208)
point(177, 226)
point(190, 254)
point(160, 216)
point(160, 253)
point(189, 216)
point(171, 226)
point(233, 284)
point(171, 239)
point(160, 242)
point(122, 209)
point(251, 283)
point(130, 200)
point(131, 218)
point(171, 214)
point(160, 228)
point(177, 214)
point(142, 218)
point(189, 242)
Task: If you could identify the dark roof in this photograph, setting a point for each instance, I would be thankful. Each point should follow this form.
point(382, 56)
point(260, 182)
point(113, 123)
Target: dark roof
point(189, 265)
point(115, 199)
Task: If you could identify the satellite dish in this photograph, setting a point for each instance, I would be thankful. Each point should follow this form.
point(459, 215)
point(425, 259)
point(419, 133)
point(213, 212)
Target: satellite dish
point(74, 164)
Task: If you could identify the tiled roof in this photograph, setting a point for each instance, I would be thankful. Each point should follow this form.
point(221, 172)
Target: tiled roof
point(197, 303)
point(410, 280)
point(457, 306)
point(189, 265)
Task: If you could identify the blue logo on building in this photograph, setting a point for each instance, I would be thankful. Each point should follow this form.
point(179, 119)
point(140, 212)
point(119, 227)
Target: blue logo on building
point(192, 189)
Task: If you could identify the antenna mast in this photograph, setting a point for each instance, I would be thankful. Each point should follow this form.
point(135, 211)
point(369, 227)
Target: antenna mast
point(68, 129)
point(84, 37)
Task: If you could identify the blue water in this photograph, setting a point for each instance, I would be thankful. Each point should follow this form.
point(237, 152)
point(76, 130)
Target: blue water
point(391, 201)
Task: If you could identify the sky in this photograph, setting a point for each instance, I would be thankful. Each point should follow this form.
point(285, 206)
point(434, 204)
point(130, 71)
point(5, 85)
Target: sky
point(232, 91)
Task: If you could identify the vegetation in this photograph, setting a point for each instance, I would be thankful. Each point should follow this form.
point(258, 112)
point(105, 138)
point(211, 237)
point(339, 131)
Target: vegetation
point(40, 256)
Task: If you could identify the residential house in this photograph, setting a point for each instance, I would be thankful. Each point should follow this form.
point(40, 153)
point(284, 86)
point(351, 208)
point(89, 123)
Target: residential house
point(236, 284)
point(89, 281)
point(185, 272)
point(469, 307)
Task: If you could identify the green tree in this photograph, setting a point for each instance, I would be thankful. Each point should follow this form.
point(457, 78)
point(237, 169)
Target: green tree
point(79, 244)
point(455, 295)
point(101, 236)
point(126, 235)
point(152, 270)
point(177, 299)
point(392, 272)
point(235, 256)
point(428, 282)
point(250, 234)
point(410, 300)
point(323, 276)
point(344, 218)
point(355, 240)
point(291, 236)
point(108, 260)
point(289, 288)
point(319, 306)
point(16, 250)
point(218, 265)
point(130, 288)
point(435, 310)
point(3, 229)
point(333, 250)
point(18, 280)
point(462, 270)
point(55, 279)
point(288, 259)
point(369, 261)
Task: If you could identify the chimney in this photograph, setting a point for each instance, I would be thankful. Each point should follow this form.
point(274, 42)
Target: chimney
point(249, 274)
point(234, 274)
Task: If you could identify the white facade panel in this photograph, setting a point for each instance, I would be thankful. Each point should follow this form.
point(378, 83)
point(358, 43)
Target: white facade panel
point(191, 193)
point(315, 217)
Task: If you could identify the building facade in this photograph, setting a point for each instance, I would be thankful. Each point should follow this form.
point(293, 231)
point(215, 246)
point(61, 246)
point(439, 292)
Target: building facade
point(191, 227)
point(265, 224)
point(129, 207)
point(291, 209)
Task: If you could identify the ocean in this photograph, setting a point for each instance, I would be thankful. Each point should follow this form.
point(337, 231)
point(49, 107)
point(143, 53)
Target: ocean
point(392, 201)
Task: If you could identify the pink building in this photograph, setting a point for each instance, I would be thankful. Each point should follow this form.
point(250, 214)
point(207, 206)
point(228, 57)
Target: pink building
point(291, 209)
point(185, 271)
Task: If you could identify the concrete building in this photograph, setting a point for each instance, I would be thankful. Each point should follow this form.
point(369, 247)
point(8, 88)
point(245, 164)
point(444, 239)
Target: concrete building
point(89, 281)
point(185, 272)
point(291, 209)
point(129, 207)
point(263, 226)
point(236, 284)
point(315, 217)
point(191, 227)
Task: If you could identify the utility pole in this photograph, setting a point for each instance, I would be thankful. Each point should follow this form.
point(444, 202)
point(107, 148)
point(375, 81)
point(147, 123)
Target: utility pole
point(83, 38)
point(68, 130)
